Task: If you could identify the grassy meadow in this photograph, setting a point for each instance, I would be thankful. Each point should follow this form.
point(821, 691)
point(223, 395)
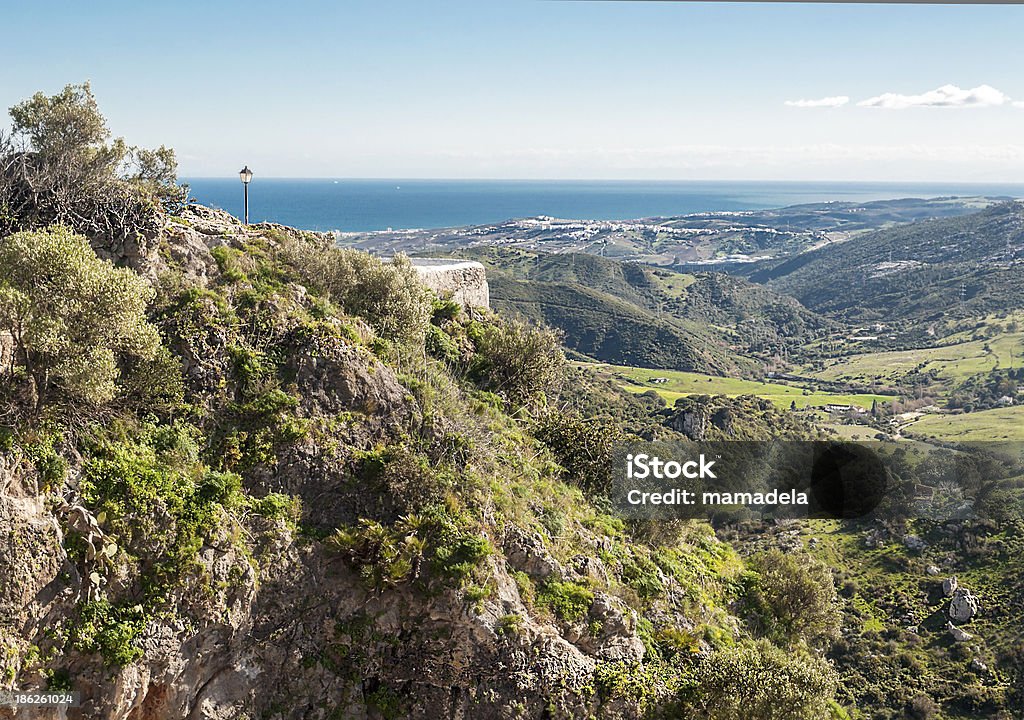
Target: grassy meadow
point(952, 364)
point(680, 384)
point(983, 425)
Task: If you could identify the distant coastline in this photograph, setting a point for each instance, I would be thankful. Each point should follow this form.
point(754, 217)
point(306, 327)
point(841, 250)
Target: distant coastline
point(366, 205)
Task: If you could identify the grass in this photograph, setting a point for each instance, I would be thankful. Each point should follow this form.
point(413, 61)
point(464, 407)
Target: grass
point(681, 384)
point(998, 424)
point(880, 586)
point(851, 432)
point(673, 285)
point(951, 363)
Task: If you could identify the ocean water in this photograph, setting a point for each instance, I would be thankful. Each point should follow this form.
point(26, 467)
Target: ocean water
point(362, 205)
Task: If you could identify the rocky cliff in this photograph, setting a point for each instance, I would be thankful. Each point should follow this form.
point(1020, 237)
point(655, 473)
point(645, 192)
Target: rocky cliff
point(320, 526)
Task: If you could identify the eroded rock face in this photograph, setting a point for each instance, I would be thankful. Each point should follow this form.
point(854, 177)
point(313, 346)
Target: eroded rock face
point(949, 586)
point(334, 377)
point(526, 553)
point(693, 424)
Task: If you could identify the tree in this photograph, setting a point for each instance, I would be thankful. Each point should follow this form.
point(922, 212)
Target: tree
point(66, 123)
point(61, 166)
point(72, 316)
point(793, 599)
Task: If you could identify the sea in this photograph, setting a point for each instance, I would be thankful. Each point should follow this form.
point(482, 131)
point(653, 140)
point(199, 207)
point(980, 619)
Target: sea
point(350, 205)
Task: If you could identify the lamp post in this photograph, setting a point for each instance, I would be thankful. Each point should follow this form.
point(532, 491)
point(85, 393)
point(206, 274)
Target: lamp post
point(245, 174)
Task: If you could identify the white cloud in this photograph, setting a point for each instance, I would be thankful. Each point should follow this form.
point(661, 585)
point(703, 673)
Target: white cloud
point(945, 96)
point(831, 102)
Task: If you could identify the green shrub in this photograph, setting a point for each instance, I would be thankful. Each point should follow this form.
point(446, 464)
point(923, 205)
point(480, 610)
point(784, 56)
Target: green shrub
point(277, 506)
point(158, 505)
point(510, 624)
point(569, 601)
point(40, 448)
point(673, 641)
point(111, 630)
point(73, 317)
point(641, 574)
point(441, 346)
point(517, 360)
point(793, 599)
point(758, 681)
point(584, 447)
point(227, 263)
point(393, 554)
point(389, 296)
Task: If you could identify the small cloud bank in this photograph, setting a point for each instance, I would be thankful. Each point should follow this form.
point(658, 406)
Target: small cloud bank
point(944, 97)
point(827, 102)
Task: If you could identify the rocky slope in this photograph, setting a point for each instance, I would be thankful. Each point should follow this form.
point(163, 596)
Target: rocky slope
point(319, 525)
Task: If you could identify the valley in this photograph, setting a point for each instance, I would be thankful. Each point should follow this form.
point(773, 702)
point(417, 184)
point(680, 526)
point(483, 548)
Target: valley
point(913, 307)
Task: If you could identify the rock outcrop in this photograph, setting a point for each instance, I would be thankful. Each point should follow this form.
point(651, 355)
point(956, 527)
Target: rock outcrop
point(963, 606)
point(464, 281)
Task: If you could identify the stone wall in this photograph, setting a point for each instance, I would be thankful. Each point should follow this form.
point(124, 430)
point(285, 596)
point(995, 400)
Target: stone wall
point(464, 281)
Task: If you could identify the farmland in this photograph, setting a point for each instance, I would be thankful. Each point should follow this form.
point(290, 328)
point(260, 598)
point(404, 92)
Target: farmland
point(680, 384)
point(984, 425)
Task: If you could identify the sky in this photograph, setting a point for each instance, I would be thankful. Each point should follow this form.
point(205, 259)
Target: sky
point(542, 88)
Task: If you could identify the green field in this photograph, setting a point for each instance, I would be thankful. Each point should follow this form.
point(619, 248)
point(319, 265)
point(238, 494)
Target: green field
point(681, 384)
point(998, 424)
point(952, 363)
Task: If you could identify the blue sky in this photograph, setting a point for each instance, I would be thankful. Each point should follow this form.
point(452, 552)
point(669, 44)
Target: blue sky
point(543, 88)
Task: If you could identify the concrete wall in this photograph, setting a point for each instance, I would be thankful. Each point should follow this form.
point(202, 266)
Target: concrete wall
point(465, 281)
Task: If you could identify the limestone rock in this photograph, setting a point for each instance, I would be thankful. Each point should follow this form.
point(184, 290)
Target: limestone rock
point(932, 570)
point(949, 586)
point(914, 543)
point(464, 281)
point(693, 424)
point(958, 634)
point(526, 553)
point(963, 606)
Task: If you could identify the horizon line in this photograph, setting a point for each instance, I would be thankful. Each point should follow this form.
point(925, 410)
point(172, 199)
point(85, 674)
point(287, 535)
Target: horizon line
point(234, 176)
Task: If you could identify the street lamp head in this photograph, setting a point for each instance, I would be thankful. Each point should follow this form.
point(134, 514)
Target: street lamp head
point(245, 174)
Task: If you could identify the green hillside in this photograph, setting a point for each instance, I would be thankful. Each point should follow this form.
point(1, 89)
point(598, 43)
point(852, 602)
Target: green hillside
point(920, 273)
point(634, 314)
point(980, 426)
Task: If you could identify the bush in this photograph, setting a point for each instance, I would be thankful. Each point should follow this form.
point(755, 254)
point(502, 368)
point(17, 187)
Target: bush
point(793, 599)
point(72, 316)
point(389, 296)
point(517, 360)
point(759, 681)
point(110, 630)
point(922, 707)
point(392, 554)
point(156, 501)
point(584, 447)
point(570, 601)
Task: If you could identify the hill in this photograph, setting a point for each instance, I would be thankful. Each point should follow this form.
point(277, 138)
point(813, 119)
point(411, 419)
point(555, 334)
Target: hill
point(919, 273)
point(245, 474)
point(634, 314)
point(306, 486)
